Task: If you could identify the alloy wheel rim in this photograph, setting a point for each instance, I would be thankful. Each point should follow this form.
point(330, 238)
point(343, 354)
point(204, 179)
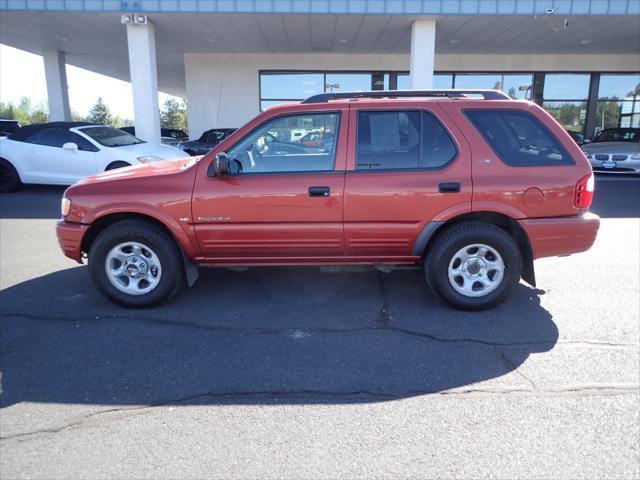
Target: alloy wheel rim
point(133, 268)
point(476, 270)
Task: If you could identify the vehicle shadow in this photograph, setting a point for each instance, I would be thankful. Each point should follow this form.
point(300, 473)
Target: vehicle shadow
point(33, 201)
point(290, 335)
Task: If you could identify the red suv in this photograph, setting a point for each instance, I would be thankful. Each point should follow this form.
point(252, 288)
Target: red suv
point(471, 185)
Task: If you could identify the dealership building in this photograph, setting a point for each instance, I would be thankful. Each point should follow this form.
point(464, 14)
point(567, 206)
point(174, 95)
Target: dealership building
point(230, 59)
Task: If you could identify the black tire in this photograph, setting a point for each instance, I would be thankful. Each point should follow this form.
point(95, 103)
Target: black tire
point(158, 240)
point(456, 237)
point(119, 164)
point(9, 178)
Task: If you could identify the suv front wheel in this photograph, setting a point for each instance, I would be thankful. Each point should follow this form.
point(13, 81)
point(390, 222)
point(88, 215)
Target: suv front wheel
point(473, 265)
point(136, 264)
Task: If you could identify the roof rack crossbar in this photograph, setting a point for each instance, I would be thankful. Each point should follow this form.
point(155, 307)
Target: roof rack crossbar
point(455, 93)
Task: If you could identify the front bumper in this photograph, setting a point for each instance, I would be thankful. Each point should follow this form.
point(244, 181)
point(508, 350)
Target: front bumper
point(70, 237)
point(621, 167)
point(551, 237)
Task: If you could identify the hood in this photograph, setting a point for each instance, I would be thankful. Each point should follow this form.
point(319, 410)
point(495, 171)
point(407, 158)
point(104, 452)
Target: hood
point(612, 147)
point(148, 149)
point(155, 169)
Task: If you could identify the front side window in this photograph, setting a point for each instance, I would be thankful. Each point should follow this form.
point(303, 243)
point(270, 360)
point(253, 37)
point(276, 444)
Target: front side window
point(391, 140)
point(110, 137)
point(519, 138)
point(278, 145)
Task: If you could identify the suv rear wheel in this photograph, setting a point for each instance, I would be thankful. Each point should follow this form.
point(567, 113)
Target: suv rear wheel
point(473, 265)
point(136, 264)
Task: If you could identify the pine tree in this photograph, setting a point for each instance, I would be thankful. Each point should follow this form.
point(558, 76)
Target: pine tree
point(99, 113)
point(174, 114)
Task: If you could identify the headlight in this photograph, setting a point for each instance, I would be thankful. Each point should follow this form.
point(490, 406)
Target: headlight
point(149, 158)
point(588, 155)
point(65, 206)
point(635, 156)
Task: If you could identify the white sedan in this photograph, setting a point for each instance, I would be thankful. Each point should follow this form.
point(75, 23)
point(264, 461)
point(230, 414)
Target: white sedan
point(61, 153)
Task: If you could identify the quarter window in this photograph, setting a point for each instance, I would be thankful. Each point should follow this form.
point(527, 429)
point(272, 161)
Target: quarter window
point(278, 145)
point(519, 138)
point(389, 140)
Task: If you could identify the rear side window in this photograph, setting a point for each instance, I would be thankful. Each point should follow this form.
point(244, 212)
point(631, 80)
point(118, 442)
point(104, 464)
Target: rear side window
point(519, 138)
point(391, 140)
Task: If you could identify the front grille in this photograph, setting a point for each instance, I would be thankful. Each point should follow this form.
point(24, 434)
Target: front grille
point(618, 158)
point(602, 157)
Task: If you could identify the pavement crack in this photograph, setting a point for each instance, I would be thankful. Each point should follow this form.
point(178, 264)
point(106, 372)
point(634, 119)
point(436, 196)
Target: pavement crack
point(275, 397)
point(513, 367)
point(384, 316)
point(319, 330)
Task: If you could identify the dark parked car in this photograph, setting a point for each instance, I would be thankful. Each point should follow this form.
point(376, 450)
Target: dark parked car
point(206, 142)
point(8, 127)
point(578, 137)
point(170, 136)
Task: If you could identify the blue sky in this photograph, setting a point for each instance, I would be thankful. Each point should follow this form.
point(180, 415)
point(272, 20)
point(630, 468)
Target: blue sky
point(22, 75)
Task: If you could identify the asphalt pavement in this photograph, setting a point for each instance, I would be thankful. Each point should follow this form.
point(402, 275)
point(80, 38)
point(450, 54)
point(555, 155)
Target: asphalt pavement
point(319, 373)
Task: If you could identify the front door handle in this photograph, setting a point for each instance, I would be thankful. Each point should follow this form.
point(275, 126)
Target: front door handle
point(449, 187)
point(319, 191)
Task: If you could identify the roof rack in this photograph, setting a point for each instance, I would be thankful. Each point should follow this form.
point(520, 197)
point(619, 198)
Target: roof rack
point(455, 93)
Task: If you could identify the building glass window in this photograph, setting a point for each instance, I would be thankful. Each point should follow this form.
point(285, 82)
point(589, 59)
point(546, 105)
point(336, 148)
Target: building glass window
point(440, 80)
point(278, 88)
point(347, 82)
point(618, 101)
point(565, 97)
point(514, 85)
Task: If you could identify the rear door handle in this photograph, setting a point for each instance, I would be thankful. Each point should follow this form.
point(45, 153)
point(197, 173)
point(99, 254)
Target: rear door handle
point(319, 191)
point(449, 187)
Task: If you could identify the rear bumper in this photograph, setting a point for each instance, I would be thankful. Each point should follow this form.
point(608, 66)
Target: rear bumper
point(551, 237)
point(70, 238)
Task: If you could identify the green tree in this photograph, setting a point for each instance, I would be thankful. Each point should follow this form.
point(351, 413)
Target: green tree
point(99, 113)
point(39, 114)
point(24, 111)
point(6, 111)
point(174, 114)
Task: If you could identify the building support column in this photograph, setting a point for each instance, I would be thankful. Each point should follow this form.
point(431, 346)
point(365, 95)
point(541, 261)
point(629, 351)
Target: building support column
point(55, 73)
point(144, 80)
point(423, 52)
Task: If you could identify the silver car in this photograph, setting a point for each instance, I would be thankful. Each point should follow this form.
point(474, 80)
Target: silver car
point(615, 150)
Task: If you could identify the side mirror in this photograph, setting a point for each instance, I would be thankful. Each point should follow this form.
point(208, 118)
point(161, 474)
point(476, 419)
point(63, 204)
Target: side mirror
point(220, 166)
point(72, 147)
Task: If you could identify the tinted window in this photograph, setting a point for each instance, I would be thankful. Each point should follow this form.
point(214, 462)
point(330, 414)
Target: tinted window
point(57, 137)
point(276, 145)
point(519, 138)
point(402, 140)
point(83, 144)
point(618, 135)
point(51, 137)
point(110, 137)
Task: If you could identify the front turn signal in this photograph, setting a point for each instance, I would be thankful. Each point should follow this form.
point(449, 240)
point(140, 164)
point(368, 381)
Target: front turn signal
point(65, 206)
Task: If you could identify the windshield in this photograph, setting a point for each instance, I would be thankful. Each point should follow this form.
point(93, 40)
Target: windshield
point(619, 135)
point(111, 137)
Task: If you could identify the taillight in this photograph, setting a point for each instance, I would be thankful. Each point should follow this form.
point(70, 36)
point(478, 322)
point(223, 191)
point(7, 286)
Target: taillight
point(584, 191)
